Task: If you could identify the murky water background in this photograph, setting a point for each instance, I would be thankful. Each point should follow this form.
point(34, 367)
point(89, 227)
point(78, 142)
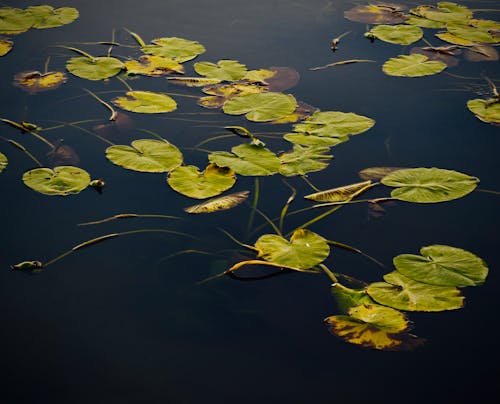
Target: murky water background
point(121, 323)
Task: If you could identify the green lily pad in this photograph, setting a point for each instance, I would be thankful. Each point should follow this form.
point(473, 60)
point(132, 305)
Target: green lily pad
point(146, 102)
point(15, 21)
point(376, 173)
point(98, 68)
point(429, 185)
point(62, 180)
point(446, 12)
point(247, 159)
point(220, 93)
point(306, 139)
point(334, 124)
point(485, 110)
point(261, 107)
point(48, 17)
point(304, 250)
point(3, 162)
point(179, 49)
point(146, 155)
point(347, 298)
point(398, 34)
point(403, 293)
point(453, 39)
point(304, 159)
point(5, 46)
point(412, 66)
point(480, 32)
point(424, 22)
point(443, 266)
point(187, 180)
point(259, 76)
point(228, 70)
point(153, 66)
point(383, 13)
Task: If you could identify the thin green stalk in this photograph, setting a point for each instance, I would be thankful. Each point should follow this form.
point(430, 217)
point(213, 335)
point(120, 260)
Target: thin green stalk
point(92, 133)
point(112, 40)
point(309, 183)
point(62, 125)
point(250, 247)
point(88, 55)
point(287, 204)
point(254, 204)
point(26, 130)
point(127, 216)
point(488, 191)
point(329, 273)
point(108, 106)
point(120, 79)
point(137, 38)
point(211, 139)
point(156, 135)
point(316, 219)
point(46, 66)
point(376, 200)
point(268, 220)
point(356, 250)
point(23, 149)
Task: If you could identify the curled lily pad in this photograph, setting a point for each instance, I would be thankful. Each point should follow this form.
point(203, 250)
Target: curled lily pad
point(3, 162)
point(193, 81)
point(382, 13)
point(15, 21)
point(95, 68)
point(429, 185)
point(5, 46)
point(62, 180)
point(398, 34)
point(220, 203)
point(179, 49)
point(485, 110)
point(403, 293)
point(304, 159)
point(214, 180)
point(261, 107)
point(146, 155)
point(35, 82)
point(340, 194)
point(228, 70)
point(412, 66)
point(347, 298)
point(153, 66)
point(334, 124)
point(446, 12)
point(304, 250)
point(443, 265)
point(247, 159)
point(146, 102)
point(48, 17)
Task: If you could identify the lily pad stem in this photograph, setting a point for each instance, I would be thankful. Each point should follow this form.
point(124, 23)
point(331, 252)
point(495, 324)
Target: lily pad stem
point(254, 204)
point(108, 106)
point(329, 273)
point(23, 149)
point(287, 204)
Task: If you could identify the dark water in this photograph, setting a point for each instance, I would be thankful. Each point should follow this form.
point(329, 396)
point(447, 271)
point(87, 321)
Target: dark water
point(121, 323)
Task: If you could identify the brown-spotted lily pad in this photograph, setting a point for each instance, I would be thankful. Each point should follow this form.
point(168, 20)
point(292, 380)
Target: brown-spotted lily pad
point(445, 54)
point(380, 13)
point(154, 66)
point(35, 82)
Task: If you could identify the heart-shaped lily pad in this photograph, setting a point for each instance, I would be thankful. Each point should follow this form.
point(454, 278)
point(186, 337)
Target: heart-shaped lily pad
point(485, 110)
point(334, 124)
point(398, 34)
point(445, 11)
point(304, 159)
point(383, 13)
point(229, 70)
point(412, 66)
point(48, 17)
point(304, 250)
point(261, 107)
point(95, 68)
point(34, 81)
point(14, 20)
point(247, 159)
point(3, 162)
point(443, 265)
point(214, 180)
point(62, 180)
point(146, 102)
point(146, 155)
point(179, 49)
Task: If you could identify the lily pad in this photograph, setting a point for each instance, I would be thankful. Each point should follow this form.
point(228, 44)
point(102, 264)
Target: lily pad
point(146, 102)
point(5, 46)
point(453, 39)
point(228, 70)
point(398, 34)
point(97, 68)
point(334, 124)
point(187, 180)
point(283, 78)
point(193, 81)
point(62, 180)
point(445, 54)
point(347, 298)
point(377, 173)
point(153, 66)
point(247, 159)
point(446, 12)
point(429, 185)
point(261, 107)
point(481, 53)
point(220, 203)
point(403, 293)
point(3, 162)
point(412, 66)
point(15, 21)
point(383, 13)
point(179, 49)
point(48, 17)
point(306, 139)
point(259, 76)
point(35, 82)
point(444, 266)
point(423, 22)
point(146, 155)
point(218, 94)
point(475, 33)
point(485, 110)
point(304, 159)
point(340, 194)
point(304, 250)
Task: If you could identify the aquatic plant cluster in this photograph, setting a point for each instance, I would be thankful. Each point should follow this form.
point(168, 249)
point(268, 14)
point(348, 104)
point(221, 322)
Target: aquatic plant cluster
point(372, 316)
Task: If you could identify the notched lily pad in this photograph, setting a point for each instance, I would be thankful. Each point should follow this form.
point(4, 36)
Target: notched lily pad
point(146, 155)
point(486, 110)
point(220, 203)
point(35, 82)
point(189, 181)
point(62, 180)
point(179, 49)
point(146, 102)
point(334, 124)
point(261, 107)
point(3, 162)
point(227, 70)
point(304, 159)
point(15, 20)
point(48, 17)
point(398, 34)
point(445, 12)
point(95, 68)
point(380, 13)
point(412, 66)
point(153, 66)
point(5, 46)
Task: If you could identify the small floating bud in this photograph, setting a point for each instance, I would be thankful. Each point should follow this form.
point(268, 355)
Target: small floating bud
point(99, 183)
point(370, 36)
point(30, 126)
point(240, 131)
point(28, 266)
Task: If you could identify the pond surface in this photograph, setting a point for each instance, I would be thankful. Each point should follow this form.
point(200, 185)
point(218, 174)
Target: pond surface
point(127, 321)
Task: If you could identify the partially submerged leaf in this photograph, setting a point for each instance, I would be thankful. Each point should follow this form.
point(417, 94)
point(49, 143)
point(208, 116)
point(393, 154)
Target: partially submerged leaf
point(228, 70)
point(218, 94)
point(382, 13)
point(63, 180)
point(3, 162)
point(476, 32)
point(445, 54)
point(283, 78)
point(63, 154)
point(429, 185)
point(312, 140)
point(179, 49)
point(219, 203)
point(340, 194)
point(146, 102)
point(377, 173)
point(398, 34)
point(261, 107)
point(146, 155)
point(412, 66)
point(5, 46)
point(189, 181)
point(34, 81)
point(423, 22)
point(485, 110)
point(154, 66)
point(403, 293)
point(481, 53)
point(48, 17)
point(444, 266)
point(453, 39)
point(304, 159)
point(15, 21)
point(347, 298)
point(97, 68)
point(259, 76)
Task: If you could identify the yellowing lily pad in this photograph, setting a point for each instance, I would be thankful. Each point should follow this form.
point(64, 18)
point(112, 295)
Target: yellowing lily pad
point(218, 94)
point(383, 13)
point(423, 22)
point(3, 162)
point(62, 180)
point(14, 20)
point(453, 39)
point(444, 266)
point(96, 68)
point(398, 34)
point(5, 46)
point(146, 155)
point(429, 185)
point(261, 107)
point(377, 173)
point(478, 33)
point(485, 110)
point(247, 159)
point(214, 180)
point(334, 124)
point(446, 12)
point(412, 66)
point(193, 81)
point(228, 70)
point(179, 49)
point(153, 66)
point(304, 159)
point(146, 102)
point(220, 203)
point(340, 194)
point(259, 76)
point(48, 17)
point(34, 81)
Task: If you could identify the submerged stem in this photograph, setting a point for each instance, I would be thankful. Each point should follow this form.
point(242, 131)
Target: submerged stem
point(287, 204)
point(354, 249)
point(108, 106)
point(23, 149)
point(254, 204)
point(26, 130)
point(126, 216)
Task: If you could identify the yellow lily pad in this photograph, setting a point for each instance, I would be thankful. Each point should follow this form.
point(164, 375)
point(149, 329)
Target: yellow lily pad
point(34, 81)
